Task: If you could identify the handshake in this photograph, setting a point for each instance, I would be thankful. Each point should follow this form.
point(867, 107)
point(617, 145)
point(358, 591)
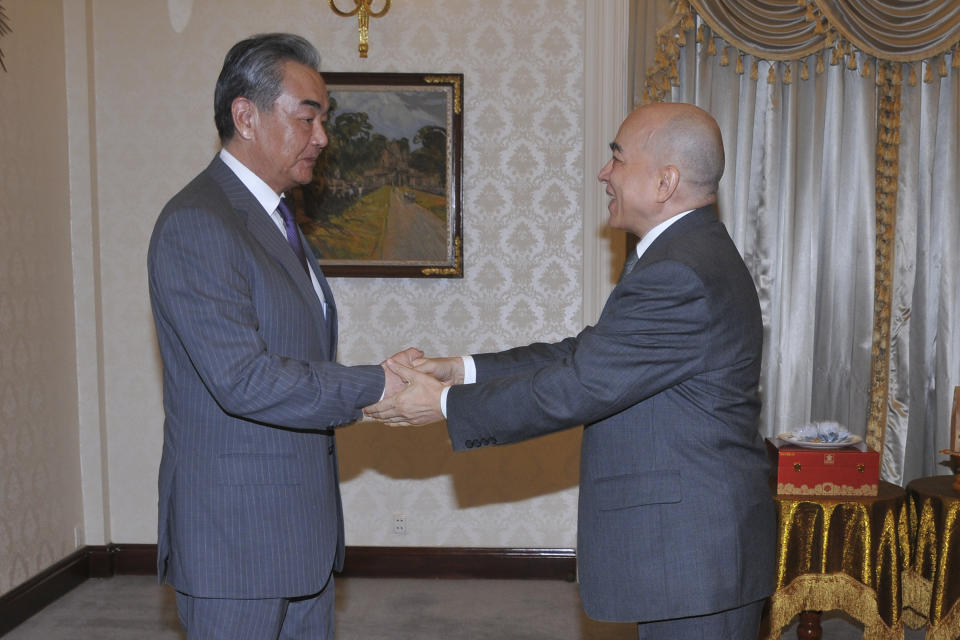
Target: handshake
point(413, 388)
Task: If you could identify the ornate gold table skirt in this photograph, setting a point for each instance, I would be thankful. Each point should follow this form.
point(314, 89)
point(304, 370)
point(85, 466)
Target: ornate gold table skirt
point(845, 553)
point(931, 586)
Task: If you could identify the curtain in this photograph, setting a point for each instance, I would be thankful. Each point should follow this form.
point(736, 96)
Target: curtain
point(797, 199)
point(840, 191)
point(925, 329)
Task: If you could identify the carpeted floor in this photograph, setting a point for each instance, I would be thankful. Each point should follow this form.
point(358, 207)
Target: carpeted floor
point(136, 608)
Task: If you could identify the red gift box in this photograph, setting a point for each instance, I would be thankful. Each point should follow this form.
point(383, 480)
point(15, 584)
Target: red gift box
point(853, 470)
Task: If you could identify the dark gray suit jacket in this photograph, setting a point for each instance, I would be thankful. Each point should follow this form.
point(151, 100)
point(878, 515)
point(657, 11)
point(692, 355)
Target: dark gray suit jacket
point(249, 501)
point(676, 517)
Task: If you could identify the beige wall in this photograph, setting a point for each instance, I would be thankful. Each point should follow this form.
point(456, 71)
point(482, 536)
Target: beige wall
point(40, 502)
point(139, 83)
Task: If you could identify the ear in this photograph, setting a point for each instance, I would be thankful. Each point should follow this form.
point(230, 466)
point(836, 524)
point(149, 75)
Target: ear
point(245, 117)
point(668, 178)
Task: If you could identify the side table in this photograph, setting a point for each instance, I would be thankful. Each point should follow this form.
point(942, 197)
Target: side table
point(931, 585)
point(841, 553)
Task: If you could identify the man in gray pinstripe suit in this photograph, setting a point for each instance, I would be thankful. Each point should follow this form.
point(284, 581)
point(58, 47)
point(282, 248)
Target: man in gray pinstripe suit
point(250, 521)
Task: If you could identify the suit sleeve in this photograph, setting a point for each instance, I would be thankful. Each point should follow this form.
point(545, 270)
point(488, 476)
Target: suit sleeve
point(650, 337)
point(200, 285)
point(521, 360)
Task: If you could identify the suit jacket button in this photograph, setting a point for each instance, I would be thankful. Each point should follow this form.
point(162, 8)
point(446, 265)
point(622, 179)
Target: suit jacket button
point(469, 444)
point(330, 449)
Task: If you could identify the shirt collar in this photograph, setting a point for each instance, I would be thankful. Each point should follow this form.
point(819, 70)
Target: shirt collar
point(654, 233)
point(266, 196)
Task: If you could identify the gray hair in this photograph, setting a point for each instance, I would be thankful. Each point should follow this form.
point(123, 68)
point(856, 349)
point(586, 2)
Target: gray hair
point(253, 69)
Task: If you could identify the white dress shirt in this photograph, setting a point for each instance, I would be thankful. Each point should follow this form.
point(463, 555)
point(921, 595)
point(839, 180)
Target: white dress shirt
point(269, 200)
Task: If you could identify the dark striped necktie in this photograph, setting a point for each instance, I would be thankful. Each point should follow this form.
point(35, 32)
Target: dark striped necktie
point(630, 263)
point(293, 234)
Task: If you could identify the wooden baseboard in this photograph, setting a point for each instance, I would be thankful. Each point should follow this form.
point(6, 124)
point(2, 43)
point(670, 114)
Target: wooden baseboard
point(384, 562)
point(361, 562)
point(22, 602)
point(460, 562)
point(134, 559)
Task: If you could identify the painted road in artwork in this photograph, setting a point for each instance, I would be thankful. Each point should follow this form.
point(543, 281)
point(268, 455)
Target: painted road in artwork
point(413, 232)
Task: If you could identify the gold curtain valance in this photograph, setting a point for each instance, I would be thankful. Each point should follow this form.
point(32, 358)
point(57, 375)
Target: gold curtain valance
point(891, 30)
point(766, 29)
point(894, 30)
point(873, 36)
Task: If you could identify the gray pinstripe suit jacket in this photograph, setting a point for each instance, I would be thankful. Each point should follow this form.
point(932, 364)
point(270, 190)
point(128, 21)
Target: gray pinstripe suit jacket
point(249, 503)
point(676, 517)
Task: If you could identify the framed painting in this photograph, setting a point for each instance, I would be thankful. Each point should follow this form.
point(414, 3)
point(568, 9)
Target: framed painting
point(386, 192)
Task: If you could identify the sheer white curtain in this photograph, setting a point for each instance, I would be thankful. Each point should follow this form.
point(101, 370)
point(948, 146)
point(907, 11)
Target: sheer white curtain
point(925, 326)
point(798, 199)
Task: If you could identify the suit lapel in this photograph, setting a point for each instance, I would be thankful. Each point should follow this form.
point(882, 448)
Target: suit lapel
point(270, 238)
point(693, 220)
point(331, 317)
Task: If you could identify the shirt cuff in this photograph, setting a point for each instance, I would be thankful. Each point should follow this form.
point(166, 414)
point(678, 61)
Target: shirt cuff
point(469, 370)
point(469, 377)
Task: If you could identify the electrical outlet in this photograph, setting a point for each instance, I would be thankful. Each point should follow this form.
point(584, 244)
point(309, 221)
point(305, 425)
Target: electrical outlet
point(399, 524)
point(77, 537)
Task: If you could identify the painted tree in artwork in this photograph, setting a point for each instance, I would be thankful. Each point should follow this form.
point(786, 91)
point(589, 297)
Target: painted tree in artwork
point(431, 157)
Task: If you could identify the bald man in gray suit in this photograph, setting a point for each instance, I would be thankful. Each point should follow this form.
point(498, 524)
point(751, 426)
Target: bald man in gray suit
point(250, 521)
point(676, 521)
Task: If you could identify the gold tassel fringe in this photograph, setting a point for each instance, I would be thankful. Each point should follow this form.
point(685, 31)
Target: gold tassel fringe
point(916, 598)
point(825, 592)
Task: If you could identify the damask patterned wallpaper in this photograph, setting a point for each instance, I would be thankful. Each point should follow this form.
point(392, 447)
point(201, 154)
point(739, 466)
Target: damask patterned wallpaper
point(39, 460)
point(523, 158)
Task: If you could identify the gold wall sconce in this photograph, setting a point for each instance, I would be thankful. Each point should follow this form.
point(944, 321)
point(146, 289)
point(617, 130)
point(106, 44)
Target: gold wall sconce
point(363, 12)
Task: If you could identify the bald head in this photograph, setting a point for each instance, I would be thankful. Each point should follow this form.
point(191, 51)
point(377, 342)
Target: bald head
point(687, 137)
point(667, 158)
